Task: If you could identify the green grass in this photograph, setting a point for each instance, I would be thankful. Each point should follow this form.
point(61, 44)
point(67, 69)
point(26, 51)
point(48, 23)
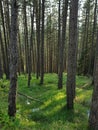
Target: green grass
point(51, 112)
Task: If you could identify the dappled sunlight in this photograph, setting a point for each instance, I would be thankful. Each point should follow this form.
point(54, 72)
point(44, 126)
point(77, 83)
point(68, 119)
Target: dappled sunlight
point(59, 96)
point(52, 109)
point(47, 103)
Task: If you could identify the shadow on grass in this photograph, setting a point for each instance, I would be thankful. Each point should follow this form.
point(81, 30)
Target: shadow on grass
point(54, 109)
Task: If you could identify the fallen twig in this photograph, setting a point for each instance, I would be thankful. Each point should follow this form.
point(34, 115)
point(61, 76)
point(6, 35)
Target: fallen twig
point(31, 98)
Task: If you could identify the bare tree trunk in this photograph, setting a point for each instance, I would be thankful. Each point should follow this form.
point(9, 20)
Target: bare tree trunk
point(13, 60)
point(1, 71)
point(6, 46)
point(92, 57)
point(3, 53)
point(26, 35)
point(30, 48)
point(59, 32)
point(91, 64)
point(93, 118)
point(21, 62)
point(71, 68)
point(38, 9)
point(62, 43)
point(42, 43)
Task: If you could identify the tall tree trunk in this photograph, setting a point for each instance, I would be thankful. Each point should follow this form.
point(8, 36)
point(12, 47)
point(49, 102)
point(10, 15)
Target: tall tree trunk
point(59, 32)
point(61, 45)
point(21, 62)
point(13, 60)
point(91, 64)
point(1, 71)
point(30, 48)
point(42, 43)
point(6, 46)
point(7, 20)
point(71, 68)
point(93, 118)
point(50, 44)
point(3, 53)
point(38, 9)
point(26, 35)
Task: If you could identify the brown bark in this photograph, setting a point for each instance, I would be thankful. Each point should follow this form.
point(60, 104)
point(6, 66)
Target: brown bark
point(1, 71)
point(42, 43)
point(92, 51)
point(59, 31)
point(26, 35)
point(13, 60)
point(21, 62)
point(93, 118)
point(71, 68)
point(38, 17)
point(5, 41)
point(62, 44)
point(3, 53)
point(30, 48)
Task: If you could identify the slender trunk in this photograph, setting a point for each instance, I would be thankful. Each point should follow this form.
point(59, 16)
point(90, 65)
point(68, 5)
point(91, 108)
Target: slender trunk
point(42, 43)
point(91, 63)
point(38, 37)
point(6, 46)
point(30, 48)
point(62, 44)
point(26, 36)
point(59, 32)
point(3, 53)
point(1, 71)
point(21, 62)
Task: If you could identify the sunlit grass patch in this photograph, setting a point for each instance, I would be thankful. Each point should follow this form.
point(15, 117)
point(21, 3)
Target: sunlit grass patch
point(51, 113)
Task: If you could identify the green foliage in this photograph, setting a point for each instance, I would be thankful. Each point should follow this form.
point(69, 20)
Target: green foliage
point(52, 113)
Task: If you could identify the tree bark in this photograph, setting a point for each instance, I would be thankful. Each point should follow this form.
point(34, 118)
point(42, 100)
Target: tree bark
point(71, 68)
point(38, 9)
point(61, 45)
point(93, 118)
point(5, 40)
point(42, 43)
point(26, 34)
point(1, 71)
point(13, 60)
point(91, 63)
point(3, 53)
point(30, 48)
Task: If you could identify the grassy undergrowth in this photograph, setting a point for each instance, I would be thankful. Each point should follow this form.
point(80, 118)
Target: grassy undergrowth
point(51, 112)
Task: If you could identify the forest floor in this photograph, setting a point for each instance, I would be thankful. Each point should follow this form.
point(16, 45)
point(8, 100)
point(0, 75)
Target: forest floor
point(51, 112)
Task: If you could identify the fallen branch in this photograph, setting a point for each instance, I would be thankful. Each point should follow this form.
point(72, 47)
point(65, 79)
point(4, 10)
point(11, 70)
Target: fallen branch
point(31, 98)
